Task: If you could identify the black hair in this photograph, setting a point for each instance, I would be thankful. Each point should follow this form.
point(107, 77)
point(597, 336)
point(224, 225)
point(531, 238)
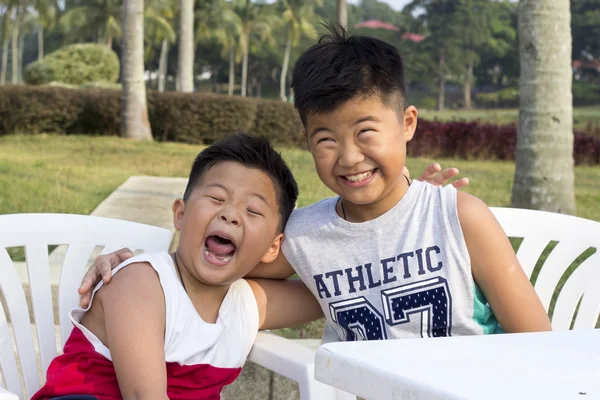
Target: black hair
point(340, 67)
point(254, 152)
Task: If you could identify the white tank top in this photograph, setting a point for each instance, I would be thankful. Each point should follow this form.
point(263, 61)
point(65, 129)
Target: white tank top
point(404, 274)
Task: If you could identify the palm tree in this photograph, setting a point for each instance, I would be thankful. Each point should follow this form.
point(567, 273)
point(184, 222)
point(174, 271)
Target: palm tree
point(342, 13)
point(5, 39)
point(185, 65)
point(221, 23)
point(97, 19)
point(47, 11)
point(297, 17)
point(544, 156)
point(256, 21)
point(158, 26)
point(135, 124)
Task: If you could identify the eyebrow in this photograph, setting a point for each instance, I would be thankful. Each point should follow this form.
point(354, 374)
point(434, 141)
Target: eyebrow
point(358, 121)
point(255, 194)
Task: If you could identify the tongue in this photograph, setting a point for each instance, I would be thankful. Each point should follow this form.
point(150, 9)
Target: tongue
point(219, 248)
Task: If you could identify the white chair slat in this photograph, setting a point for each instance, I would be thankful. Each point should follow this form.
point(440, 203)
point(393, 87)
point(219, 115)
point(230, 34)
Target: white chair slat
point(14, 298)
point(8, 363)
point(582, 284)
point(71, 274)
point(554, 267)
point(38, 267)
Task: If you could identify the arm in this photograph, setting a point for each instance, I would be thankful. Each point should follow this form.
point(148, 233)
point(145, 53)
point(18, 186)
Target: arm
point(497, 271)
point(284, 303)
point(134, 317)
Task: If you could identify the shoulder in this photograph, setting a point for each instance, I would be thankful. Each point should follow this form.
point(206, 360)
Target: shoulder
point(307, 218)
point(471, 210)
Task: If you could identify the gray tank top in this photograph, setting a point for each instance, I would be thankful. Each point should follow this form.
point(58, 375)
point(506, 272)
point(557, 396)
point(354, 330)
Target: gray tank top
point(405, 274)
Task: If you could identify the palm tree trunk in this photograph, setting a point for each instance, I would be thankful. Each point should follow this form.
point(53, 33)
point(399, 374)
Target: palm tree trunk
point(544, 155)
point(4, 62)
point(135, 124)
point(21, 50)
point(284, 67)
point(231, 71)
point(468, 84)
point(186, 46)
point(342, 13)
point(442, 82)
point(162, 65)
point(40, 42)
point(245, 66)
point(15, 52)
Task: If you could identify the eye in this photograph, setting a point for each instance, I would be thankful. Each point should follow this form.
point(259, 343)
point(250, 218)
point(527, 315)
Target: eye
point(216, 199)
point(365, 130)
point(254, 212)
point(324, 139)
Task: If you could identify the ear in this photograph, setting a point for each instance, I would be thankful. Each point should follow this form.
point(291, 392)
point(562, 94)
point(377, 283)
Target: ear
point(273, 250)
point(410, 122)
point(178, 209)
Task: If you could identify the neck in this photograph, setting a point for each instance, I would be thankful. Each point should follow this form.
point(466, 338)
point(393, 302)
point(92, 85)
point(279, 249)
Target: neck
point(366, 212)
point(206, 298)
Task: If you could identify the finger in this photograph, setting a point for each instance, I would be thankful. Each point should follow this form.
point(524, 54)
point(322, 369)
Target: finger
point(461, 183)
point(429, 172)
point(442, 178)
point(85, 300)
point(123, 254)
point(86, 284)
point(105, 269)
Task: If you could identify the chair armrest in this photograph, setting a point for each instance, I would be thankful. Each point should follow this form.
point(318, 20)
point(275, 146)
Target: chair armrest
point(6, 395)
point(294, 361)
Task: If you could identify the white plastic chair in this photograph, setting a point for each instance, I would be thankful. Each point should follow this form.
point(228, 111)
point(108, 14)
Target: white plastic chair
point(36, 232)
point(574, 236)
point(82, 234)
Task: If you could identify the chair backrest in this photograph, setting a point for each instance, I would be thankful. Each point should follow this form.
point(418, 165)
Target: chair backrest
point(82, 234)
point(569, 277)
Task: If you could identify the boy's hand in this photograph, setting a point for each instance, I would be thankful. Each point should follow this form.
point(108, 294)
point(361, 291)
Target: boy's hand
point(432, 174)
point(101, 269)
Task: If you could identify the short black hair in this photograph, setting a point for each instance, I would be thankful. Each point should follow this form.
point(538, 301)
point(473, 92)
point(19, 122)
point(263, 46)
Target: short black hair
point(253, 152)
point(340, 67)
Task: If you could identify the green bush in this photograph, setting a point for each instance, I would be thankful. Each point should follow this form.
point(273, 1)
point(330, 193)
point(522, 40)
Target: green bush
point(75, 65)
point(503, 98)
point(182, 117)
point(585, 94)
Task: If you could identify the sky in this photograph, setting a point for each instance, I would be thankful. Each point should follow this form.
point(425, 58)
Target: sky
point(397, 5)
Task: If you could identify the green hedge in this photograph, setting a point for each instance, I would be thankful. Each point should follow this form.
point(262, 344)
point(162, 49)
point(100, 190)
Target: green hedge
point(75, 65)
point(181, 117)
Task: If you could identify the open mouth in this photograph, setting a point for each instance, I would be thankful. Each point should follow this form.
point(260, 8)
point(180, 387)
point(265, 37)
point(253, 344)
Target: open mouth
point(357, 178)
point(219, 249)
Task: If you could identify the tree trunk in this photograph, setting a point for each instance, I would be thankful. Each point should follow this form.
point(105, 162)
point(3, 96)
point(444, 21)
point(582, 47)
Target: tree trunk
point(442, 82)
point(245, 67)
point(544, 155)
point(162, 65)
point(284, 67)
point(21, 50)
point(109, 41)
point(40, 42)
point(342, 13)
point(4, 62)
point(231, 71)
point(468, 84)
point(135, 124)
point(259, 88)
point(15, 52)
point(214, 75)
point(185, 65)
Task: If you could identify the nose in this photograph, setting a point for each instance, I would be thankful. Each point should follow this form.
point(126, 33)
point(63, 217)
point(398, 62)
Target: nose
point(230, 216)
point(350, 155)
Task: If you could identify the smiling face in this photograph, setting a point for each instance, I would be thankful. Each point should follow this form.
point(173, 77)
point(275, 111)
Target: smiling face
point(229, 223)
point(360, 149)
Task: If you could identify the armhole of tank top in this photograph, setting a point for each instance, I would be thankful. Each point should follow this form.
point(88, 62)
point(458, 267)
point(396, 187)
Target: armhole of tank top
point(456, 234)
point(249, 310)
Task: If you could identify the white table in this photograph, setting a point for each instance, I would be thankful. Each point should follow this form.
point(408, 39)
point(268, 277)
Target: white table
point(549, 365)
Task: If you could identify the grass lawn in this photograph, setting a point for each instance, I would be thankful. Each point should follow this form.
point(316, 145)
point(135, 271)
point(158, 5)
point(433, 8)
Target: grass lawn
point(73, 174)
point(585, 119)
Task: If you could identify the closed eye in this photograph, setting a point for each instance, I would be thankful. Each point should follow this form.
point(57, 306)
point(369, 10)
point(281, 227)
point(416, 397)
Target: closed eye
point(324, 139)
point(216, 199)
point(254, 212)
